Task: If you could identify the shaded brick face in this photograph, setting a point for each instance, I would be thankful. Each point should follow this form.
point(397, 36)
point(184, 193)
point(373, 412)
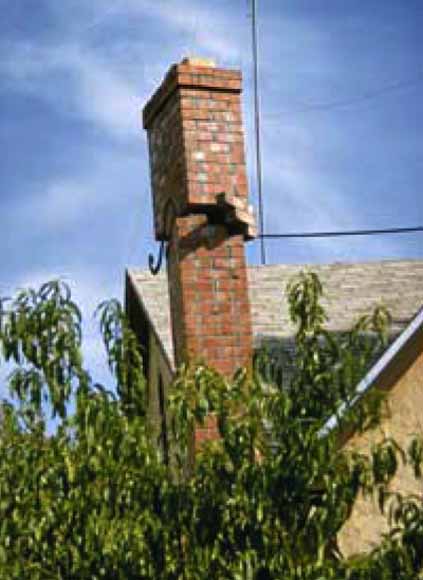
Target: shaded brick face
point(196, 142)
point(167, 163)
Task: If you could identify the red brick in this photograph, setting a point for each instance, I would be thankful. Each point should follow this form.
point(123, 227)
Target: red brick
point(195, 131)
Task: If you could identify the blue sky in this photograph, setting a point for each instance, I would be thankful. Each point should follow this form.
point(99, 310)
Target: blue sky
point(342, 106)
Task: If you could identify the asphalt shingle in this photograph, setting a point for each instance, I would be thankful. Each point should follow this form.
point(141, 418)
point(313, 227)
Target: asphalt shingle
point(350, 291)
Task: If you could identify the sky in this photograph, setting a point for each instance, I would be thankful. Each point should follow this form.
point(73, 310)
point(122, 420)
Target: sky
point(341, 92)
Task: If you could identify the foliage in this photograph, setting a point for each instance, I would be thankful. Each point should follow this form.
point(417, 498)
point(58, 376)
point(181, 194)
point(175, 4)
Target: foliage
point(265, 501)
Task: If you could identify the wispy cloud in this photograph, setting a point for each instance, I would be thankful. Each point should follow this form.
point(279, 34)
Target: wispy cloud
point(63, 203)
point(60, 203)
point(208, 30)
point(109, 87)
point(75, 81)
point(301, 194)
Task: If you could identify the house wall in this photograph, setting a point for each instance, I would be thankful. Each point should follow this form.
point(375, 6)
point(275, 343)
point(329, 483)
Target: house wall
point(158, 368)
point(403, 420)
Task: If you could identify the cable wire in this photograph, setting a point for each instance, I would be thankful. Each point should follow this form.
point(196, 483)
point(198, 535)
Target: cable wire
point(333, 234)
point(254, 30)
point(367, 96)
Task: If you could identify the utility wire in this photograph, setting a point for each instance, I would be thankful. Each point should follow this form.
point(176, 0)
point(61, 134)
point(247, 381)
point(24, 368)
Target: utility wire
point(340, 233)
point(254, 30)
point(367, 96)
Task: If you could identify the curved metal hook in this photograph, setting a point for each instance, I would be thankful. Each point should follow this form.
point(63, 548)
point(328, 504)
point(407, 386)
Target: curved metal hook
point(155, 268)
point(169, 213)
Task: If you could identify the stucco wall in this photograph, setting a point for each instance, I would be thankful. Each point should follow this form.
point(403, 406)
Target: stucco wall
point(404, 419)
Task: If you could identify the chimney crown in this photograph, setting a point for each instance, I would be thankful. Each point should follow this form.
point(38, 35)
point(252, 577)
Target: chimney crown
point(199, 61)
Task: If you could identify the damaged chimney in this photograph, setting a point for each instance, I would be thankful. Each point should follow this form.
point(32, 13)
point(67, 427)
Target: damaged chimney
point(200, 200)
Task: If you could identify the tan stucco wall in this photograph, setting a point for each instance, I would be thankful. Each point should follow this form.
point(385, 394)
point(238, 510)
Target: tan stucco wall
point(403, 420)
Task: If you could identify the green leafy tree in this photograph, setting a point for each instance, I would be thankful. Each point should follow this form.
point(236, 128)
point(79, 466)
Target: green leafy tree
point(265, 501)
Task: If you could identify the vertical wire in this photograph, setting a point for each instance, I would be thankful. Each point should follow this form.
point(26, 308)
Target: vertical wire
point(254, 27)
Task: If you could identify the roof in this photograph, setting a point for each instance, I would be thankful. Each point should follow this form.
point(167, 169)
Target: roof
point(350, 291)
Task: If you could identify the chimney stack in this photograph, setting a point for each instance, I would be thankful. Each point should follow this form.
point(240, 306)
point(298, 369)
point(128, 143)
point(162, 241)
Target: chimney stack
point(200, 200)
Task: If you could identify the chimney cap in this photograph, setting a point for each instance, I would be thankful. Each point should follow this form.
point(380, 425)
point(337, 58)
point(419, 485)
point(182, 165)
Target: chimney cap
point(195, 73)
point(199, 61)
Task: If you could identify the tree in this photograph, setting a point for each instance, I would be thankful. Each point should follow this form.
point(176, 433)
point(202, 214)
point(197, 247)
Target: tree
point(265, 501)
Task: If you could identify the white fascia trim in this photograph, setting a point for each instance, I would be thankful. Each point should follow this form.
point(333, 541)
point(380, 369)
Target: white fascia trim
point(365, 383)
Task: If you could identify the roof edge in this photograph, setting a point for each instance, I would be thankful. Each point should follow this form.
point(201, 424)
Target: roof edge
point(130, 280)
point(376, 371)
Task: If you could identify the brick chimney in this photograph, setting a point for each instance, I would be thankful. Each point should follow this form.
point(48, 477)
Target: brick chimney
point(200, 200)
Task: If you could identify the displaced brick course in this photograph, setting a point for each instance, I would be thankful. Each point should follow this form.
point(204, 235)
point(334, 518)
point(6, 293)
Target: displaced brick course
point(196, 142)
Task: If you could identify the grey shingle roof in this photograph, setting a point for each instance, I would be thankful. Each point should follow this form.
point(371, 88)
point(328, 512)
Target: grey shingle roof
point(350, 290)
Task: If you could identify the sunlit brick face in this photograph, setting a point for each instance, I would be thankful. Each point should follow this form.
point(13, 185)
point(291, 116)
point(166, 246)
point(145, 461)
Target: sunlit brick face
point(196, 149)
point(196, 141)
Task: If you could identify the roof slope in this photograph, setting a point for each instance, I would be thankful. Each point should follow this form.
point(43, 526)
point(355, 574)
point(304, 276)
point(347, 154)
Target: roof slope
point(350, 290)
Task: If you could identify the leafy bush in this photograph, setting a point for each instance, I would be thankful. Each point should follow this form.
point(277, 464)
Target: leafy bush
point(265, 501)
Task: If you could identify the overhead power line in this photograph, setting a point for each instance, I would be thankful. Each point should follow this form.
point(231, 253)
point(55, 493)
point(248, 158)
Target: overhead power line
point(367, 96)
point(341, 103)
point(334, 234)
point(254, 31)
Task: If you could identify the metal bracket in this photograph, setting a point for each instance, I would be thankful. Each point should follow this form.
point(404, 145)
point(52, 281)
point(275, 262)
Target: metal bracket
point(169, 213)
point(155, 268)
